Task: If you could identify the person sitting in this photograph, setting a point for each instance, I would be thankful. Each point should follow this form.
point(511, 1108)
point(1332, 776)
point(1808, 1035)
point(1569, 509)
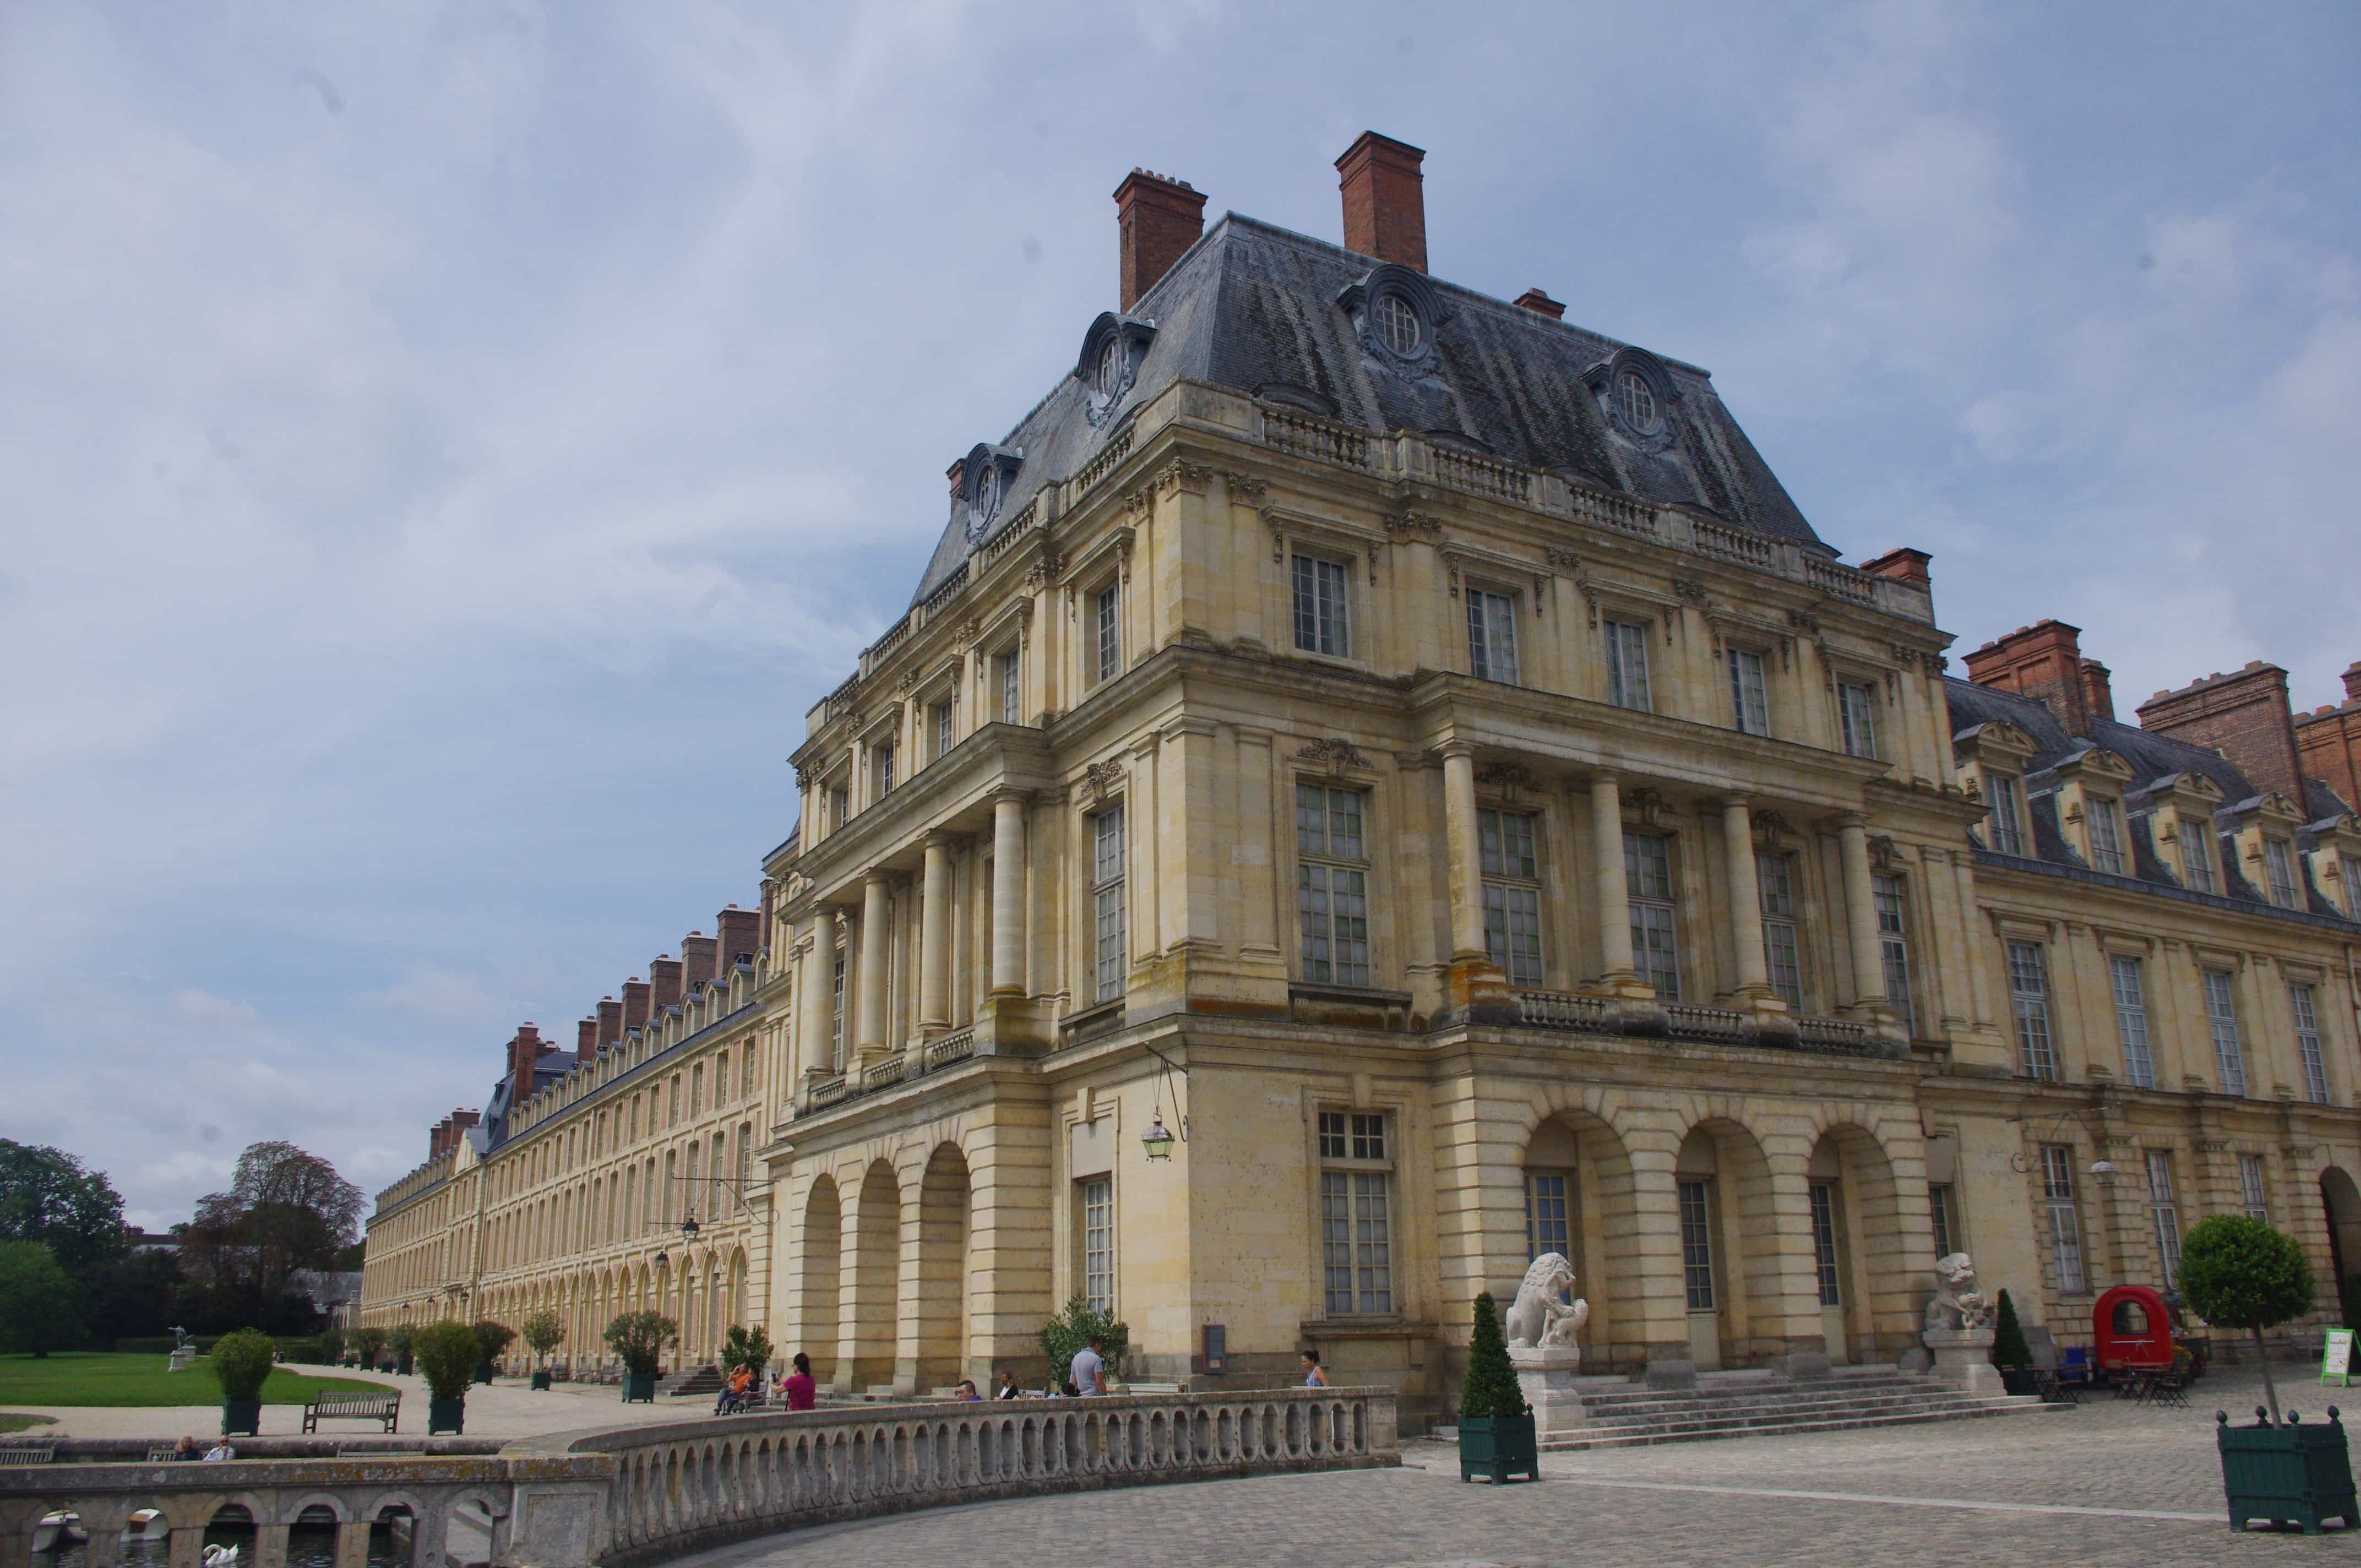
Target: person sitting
point(1008, 1388)
point(967, 1394)
point(221, 1450)
point(187, 1449)
point(733, 1393)
point(803, 1389)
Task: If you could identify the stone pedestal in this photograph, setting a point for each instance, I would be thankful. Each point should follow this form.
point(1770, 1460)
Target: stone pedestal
point(1546, 1375)
point(1963, 1359)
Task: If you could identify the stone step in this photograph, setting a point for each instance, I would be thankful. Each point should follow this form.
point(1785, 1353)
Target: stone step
point(1766, 1415)
point(2003, 1405)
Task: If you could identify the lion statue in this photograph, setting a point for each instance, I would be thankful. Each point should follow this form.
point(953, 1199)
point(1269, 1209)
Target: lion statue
point(1957, 1303)
point(1540, 1319)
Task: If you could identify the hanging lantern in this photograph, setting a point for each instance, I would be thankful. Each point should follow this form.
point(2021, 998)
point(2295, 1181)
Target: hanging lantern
point(688, 1227)
point(1158, 1139)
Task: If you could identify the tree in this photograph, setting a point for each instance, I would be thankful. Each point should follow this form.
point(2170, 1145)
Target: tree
point(241, 1362)
point(750, 1348)
point(285, 1210)
point(41, 1305)
point(46, 1196)
point(2009, 1346)
point(370, 1341)
point(2242, 1273)
point(446, 1353)
point(638, 1340)
point(492, 1338)
point(1068, 1332)
point(543, 1332)
point(138, 1295)
point(1491, 1388)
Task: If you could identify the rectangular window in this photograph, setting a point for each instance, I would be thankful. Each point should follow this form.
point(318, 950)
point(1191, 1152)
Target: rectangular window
point(2251, 1191)
point(1774, 880)
point(1824, 1243)
point(1626, 665)
point(2131, 1021)
point(2028, 994)
point(1513, 894)
point(1108, 959)
point(2000, 820)
point(1856, 707)
point(2307, 1042)
point(1696, 1245)
point(2349, 871)
point(881, 770)
point(1098, 1242)
point(1648, 879)
point(839, 806)
point(2279, 866)
point(1319, 613)
point(1105, 611)
point(1012, 692)
point(2064, 1226)
point(1938, 1211)
point(1356, 1215)
point(1331, 884)
point(2196, 854)
point(1547, 1229)
point(2106, 836)
point(2221, 1013)
point(1491, 637)
point(2164, 1212)
point(1893, 943)
point(942, 730)
point(1749, 710)
point(836, 1015)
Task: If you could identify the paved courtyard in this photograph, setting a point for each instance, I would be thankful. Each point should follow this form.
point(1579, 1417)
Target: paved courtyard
point(2106, 1484)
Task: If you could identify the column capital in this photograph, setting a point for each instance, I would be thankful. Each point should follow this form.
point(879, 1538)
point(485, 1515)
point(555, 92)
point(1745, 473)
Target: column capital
point(1844, 819)
point(1009, 794)
point(1737, 802)
point(1455, 748)
point(941, 839)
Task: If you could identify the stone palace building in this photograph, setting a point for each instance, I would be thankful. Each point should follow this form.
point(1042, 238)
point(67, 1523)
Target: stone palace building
point(1377, 782)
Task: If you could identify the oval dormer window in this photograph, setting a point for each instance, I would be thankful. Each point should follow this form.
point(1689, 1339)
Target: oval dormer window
point(1636, 401)
point(987, 491)
point(1111, 365)
point(1395, 322)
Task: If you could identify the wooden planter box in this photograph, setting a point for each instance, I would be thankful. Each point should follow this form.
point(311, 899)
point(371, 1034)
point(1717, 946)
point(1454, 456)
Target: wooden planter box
point(2291, 1473)
point(241, 1418)
point(541, 1380)
point(445, 1415)
point(1498, 1446)
point(640, 1387)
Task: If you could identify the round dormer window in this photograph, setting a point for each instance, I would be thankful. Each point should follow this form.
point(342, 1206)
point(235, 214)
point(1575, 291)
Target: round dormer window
point(987, 491)
point(1395, 321)
point(1112, 366)
point(1635, 401)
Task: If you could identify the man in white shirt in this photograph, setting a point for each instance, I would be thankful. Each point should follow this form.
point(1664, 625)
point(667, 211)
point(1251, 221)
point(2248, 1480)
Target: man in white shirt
point(1088, 1371)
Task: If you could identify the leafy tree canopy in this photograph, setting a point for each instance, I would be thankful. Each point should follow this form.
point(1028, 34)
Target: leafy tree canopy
point(40, 1306)
point(47, 1196)
point(2241, 1274)
point(285, 1210)
point(1070, 1330)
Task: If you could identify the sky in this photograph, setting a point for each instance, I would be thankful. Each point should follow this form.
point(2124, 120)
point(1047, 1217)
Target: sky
point(446, 449)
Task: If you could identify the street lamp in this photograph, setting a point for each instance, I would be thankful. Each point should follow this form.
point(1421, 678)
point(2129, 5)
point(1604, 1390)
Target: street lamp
point(1158, 1139)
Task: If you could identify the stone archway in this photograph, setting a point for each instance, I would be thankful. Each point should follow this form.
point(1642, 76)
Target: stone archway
point(2340, 1200)
point(1727, 1230)
point(939, 1345)
point(1579, 1199)
point(868, 1327)
point(1861, 1275)
point(817, 1301)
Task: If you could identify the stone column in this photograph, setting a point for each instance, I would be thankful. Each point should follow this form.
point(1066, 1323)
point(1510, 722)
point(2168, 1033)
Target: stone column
point(1008, 895)
point(1612, 896)
point(876, 939)
point(1460, 838)
point(935, 940)
point(1861, 913)
point(817, 1057)
point(1745, 899)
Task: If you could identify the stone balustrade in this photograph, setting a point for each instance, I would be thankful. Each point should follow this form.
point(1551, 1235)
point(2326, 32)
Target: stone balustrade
point(640, 1495)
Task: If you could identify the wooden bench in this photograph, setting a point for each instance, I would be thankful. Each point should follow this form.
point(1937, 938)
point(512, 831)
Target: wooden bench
point(385, 1408)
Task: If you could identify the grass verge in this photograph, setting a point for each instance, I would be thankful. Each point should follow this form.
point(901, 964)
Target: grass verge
point(87, 1379)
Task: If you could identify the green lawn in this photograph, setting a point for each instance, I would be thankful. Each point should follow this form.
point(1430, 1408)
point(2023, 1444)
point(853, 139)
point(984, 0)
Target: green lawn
point(76, 1378)
point(9, 1423)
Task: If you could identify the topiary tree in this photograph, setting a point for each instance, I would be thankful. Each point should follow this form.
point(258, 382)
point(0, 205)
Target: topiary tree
point(40, 1306)
point(543, 1332)
point(446, 1354)
point(399, 1343)
point(1067, 1332)
point(2242, 1273)
point(750, 1348)
point(492, 1338)
point(2009, 1346)
point(241, 1363)
point(332, 1346)
point(638, 1340)
point(1491, 1388)
point(371, 1342)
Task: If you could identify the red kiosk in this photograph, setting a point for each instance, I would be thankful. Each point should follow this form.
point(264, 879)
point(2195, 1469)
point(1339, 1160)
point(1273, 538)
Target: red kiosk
point(2133, 1330)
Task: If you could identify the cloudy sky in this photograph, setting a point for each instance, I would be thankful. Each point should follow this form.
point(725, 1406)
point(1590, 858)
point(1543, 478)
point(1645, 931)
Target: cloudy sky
point(445, 449)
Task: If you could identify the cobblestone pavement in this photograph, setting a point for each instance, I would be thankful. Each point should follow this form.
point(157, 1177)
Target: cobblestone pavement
point(1960, 1492)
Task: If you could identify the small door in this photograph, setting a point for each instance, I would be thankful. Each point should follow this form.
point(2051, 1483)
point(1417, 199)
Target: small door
point(1698, 1263)
point(1827, 1266)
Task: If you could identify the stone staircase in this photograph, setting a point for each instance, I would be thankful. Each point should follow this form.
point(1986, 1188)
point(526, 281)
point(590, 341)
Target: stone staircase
point(1761, 1404)
point(695, 1382)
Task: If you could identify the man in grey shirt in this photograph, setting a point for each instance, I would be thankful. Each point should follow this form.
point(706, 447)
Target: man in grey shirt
point(1088, 1371)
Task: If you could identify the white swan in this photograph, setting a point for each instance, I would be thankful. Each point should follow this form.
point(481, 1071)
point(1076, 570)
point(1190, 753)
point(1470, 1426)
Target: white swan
point(221, 1556)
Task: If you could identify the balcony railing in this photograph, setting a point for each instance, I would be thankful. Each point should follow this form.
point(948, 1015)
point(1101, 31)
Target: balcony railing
point(1731, 544)
point(1832, 1034)
point(1566, 1010)
point(1102, 465)
point(1482, 476)
point(1322, 440)
point(951, 1050)
point(955, 1047)
point(1690, 1022)
point(1571, 1012)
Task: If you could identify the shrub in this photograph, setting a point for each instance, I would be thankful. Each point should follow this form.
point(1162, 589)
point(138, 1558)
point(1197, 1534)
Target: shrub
point(543, 1332)
point(492, 1338)
point(638, 1340)
point(397, 1342)
point(162, 1344)
point(749, 1348)
point(2241, 1274)
point(371, 1342)
point(1068, 1332)
point(446, 1357)
point(298, 1347)
point(1491, 1388)
point(330, 1343)
point(2009, 1346)
point(40, 1307)
point(241, 1362)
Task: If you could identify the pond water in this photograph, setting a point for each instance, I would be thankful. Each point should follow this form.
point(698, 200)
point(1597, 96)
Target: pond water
point(308, 1546)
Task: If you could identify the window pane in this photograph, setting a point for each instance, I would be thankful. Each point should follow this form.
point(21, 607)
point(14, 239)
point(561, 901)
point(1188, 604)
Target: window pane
point(1110, 961)
point(1824, 1243)
point(2251, 1189)
point(2307, 1040)
point(2131, 1021)
point(1749, 711)
point(1855, 710)
point(2164, 1213)
point(1331, 1134)
point(1546, 1227)
point(2222, 1017)
point(2002, 819)
point(1110, 641)
point(1893, 943)
point(1939, 1209)
point(1011, 702)
point(1696, 1247)
point(2028, 987)
point(2065, 1227)
point(2106, 842)
point(1098, 1242)
point(1627, 665)
point(2197, 853)
point(2280, 867)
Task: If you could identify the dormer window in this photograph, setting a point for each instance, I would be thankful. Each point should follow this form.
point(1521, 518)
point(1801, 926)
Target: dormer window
point(2278, 866)
point(1397, 323)
point(987, 493)
point(2106, 836)
point(2196, 854)
point(1111, 366)
point(2001, 821)
point(1636, 401)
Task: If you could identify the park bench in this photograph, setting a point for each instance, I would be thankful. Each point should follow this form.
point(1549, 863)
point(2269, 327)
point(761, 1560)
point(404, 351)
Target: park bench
point(28, 1453)
point(386, 1408)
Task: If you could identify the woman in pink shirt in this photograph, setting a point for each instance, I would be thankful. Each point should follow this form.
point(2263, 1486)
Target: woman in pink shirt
point(803, 1392)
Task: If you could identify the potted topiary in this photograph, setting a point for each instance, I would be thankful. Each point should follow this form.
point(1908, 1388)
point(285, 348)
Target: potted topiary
point(370, 1344)
point(543, 1332)
point(446, 1354)
point(492, 1338)
point(2010, 1353)
point(397, 1344)
point(1496, 1425)
point(2241, 1274)
point(241, 1364)
point(332, 1346)
point(638, 1340)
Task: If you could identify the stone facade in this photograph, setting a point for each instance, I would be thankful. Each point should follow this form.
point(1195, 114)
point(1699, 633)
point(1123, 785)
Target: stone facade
point(1464, 856)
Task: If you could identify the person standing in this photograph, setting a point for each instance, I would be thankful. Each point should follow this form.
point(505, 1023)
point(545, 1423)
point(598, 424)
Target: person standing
point(803, 1390)
point(1088, 1372)
point(1314, 1374)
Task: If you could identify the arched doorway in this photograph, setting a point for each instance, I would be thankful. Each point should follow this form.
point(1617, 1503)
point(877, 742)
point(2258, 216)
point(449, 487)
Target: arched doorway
point(1730, 1260)
point(1578, 1201)
point(1859, 1271)
point(942, 1268)
point(868, 1329)
point(2341, 1201)
point(816, 1284)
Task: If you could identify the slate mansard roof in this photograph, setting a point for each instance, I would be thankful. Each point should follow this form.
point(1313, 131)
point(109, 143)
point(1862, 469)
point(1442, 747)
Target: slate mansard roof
point(2152, 758)
point(1257, 308)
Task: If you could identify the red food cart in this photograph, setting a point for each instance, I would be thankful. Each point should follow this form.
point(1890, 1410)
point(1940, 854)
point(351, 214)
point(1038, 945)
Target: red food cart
point(2132, 1329)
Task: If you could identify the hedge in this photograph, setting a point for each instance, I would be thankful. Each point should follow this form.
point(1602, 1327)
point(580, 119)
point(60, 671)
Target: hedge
point(162, 1344)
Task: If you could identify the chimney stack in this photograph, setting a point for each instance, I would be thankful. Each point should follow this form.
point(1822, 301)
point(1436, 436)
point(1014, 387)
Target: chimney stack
point(1903, 565)
point(665, 977)
point(610, 1021)
point(2353, 681)
point(585, 1039)
point(742, 935)
point(2328, 742)
point(1385, 200)
point(2098, 690)
point(1539, 304)
point(698, 964)
point(2043, 661)
point(2243, 715)
point(1156, 220)
point(637, 994)
point(525, 1048)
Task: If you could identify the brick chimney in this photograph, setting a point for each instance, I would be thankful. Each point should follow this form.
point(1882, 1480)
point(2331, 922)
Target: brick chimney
point(2353, 681)
point(438, 1139)
point(1539, 304)
point(525, 1048)
point(741, 934)
point(665, 977)
point(2043, 661)
point(2328, 739)
point(1385, 200)
point(1156, 220)
point(610, 1021)
point(2243, 715)
point(637, 994)
point(2098, 690)
point(585, 1039)
point(1903, 565)
point(698, 964)
point(463, 1120)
